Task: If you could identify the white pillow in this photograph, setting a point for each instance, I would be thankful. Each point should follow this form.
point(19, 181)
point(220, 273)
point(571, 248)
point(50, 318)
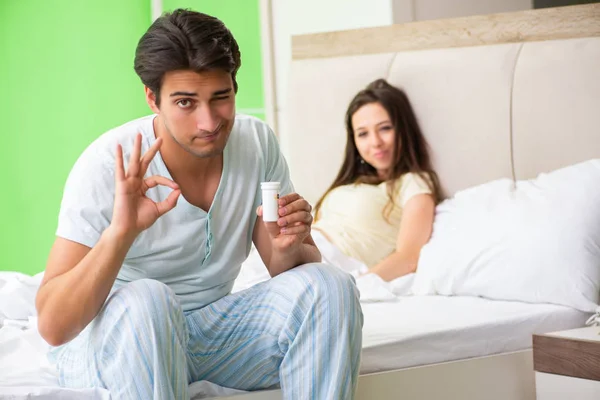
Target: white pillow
point(537, 241)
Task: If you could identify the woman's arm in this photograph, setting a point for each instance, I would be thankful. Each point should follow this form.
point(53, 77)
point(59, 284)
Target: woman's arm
point(415, 230)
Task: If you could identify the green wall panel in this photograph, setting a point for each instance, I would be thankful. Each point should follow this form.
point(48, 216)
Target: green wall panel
point(66, 76)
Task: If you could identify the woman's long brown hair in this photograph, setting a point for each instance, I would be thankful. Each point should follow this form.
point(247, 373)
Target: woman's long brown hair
point(411, 153)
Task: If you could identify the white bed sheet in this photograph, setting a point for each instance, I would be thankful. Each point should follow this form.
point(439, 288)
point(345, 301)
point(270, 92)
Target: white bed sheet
point(406, 332)
point(422, 330)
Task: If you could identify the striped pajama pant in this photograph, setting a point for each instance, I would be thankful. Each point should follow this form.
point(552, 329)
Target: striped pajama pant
point(300, 330)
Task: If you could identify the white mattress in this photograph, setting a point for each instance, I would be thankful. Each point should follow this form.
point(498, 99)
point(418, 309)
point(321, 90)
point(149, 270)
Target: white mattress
point(423, 330)
point(408, 332)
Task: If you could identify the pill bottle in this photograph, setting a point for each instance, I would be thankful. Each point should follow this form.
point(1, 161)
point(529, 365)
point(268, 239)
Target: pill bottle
point(270, 200)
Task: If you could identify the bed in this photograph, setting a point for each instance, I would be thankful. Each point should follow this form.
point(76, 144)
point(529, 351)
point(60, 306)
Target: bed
point(506, 96)
point(428, 330)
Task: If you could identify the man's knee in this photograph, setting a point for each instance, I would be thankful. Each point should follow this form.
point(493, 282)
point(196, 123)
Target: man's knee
point(330, 294)
point(148, 300)
point(327, 283)
point(145, 288)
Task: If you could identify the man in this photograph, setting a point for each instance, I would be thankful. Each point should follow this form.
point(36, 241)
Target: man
point(136, 295)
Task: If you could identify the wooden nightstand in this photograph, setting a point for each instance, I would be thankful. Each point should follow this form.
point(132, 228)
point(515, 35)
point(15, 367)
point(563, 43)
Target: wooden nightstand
point(567, 364)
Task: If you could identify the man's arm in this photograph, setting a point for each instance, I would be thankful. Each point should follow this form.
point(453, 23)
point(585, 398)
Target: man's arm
point(78, 278)
point(287, 243)
point(76, 284)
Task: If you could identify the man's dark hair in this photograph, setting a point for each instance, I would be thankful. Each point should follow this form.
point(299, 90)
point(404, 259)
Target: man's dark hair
point(185, 40)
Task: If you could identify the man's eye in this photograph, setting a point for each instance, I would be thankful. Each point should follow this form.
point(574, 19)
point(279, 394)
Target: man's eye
point(184, 103)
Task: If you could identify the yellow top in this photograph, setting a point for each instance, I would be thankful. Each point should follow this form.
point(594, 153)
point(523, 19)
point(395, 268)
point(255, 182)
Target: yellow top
point(351, 217)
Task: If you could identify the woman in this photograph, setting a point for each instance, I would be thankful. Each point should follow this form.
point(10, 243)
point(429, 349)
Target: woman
point(380, 208)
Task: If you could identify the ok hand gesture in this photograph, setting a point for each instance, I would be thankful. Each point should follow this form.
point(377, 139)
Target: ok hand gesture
point(133, 212)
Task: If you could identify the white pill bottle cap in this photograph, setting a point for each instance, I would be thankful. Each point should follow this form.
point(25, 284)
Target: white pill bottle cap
point(270, 186)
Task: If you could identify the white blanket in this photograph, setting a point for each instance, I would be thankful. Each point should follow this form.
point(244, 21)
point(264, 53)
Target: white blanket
point(26, 373)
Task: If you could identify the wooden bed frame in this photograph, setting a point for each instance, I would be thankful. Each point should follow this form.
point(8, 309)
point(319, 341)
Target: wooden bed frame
point(507, 376)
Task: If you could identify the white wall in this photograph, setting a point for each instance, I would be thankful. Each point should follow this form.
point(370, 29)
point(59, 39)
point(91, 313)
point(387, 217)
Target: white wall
point(437, 9)
point(309, 16)
point(296, 17)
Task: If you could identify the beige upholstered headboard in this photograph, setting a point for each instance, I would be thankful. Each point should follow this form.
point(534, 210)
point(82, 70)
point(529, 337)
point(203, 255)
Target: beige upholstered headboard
point(505, 95)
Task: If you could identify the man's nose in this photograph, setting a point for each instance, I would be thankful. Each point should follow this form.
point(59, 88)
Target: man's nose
point(206, 119)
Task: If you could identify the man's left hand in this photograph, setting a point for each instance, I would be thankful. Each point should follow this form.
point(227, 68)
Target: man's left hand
point(293, 225)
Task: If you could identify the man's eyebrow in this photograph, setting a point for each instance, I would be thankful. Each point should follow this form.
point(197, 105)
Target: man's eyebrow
point(193, 94)
point(189, 94)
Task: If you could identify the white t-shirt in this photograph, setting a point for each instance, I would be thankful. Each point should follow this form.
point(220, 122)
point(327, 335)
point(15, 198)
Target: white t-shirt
point(197, 254)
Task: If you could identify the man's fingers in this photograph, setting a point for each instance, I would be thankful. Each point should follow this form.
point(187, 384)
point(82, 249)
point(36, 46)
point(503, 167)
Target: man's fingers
point(169, 203)
point(149, 156)
point(301, 216)
point(289, 198)
point(296, 210)
point(156, 180)
point(133, 167)
point(295, 230)
point(295, 206)
point(272, 227)
point(119, 169)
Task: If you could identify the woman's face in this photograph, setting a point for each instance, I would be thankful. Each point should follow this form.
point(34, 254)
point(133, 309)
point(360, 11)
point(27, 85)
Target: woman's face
point(375, 137)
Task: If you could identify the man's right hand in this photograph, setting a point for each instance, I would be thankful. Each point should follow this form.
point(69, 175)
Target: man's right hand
point(133, 211)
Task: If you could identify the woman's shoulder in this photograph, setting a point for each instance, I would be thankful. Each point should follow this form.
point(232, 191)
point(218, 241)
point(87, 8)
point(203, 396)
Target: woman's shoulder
point(419, 178)
point(411, 184)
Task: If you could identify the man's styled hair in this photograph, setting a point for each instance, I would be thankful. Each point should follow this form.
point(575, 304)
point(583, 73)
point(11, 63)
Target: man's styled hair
point(185, 40)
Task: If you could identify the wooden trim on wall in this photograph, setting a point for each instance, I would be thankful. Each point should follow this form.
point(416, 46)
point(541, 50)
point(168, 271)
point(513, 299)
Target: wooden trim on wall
point(522, 26)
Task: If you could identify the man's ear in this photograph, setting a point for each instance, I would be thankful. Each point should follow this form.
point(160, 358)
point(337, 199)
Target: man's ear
point(151, 100)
